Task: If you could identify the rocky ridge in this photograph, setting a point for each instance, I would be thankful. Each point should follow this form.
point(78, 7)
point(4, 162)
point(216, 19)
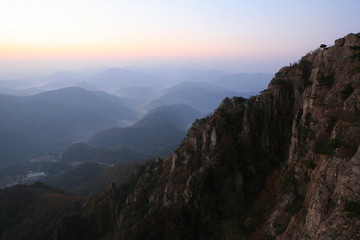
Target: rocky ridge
point(284, 164)
point(324, 147)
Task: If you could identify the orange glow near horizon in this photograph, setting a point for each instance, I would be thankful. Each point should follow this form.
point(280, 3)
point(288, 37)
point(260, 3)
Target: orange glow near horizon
point(134, 49)
point(176, 30)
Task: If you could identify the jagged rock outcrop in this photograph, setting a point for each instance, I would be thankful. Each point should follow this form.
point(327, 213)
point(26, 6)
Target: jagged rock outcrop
point(280, 165)
point(325, 138)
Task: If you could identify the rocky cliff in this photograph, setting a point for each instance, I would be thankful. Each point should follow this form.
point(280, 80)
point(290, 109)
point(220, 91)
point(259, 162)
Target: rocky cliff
point(324, 157)
point(282, 165)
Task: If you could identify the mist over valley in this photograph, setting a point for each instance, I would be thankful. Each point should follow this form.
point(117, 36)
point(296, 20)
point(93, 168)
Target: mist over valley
point(113, 116)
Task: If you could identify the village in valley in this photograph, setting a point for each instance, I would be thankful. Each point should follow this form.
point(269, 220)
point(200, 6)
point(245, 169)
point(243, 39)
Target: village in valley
point(42, 166)
point(37, 174)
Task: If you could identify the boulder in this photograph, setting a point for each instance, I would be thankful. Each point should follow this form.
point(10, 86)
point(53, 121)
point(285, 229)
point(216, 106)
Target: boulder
point(340, 42)
point(352, 40)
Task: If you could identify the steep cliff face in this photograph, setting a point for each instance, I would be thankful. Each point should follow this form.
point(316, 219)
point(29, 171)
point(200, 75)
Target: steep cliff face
point(281, 165)
point(285, 160)
point(323, 156)
point(205, 189)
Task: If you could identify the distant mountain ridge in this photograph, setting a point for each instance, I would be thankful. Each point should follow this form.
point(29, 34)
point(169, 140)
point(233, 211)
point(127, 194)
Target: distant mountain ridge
point(161, 129)
point(181, 116)
point(113, 79)
point(157, 134)
point(30, 125)
point(202, 100)
point(243, 82)
point(203, 85)
point(100, 103)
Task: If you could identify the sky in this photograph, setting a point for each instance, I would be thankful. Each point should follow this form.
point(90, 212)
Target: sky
point(231, 35)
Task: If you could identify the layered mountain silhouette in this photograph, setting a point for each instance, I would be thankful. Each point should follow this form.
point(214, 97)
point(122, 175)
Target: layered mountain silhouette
point(243, 82)
point(30, 125)
point(203, 97)
point(159, 132)
point(100, 103)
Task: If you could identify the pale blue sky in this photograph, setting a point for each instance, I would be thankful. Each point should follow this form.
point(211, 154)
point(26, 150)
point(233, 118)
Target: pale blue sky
point(240, 36)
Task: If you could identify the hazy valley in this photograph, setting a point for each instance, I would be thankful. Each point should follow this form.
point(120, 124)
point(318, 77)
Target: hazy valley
point(50, 123)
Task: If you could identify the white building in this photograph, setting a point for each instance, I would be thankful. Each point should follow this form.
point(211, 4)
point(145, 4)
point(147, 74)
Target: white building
point(35, 175)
